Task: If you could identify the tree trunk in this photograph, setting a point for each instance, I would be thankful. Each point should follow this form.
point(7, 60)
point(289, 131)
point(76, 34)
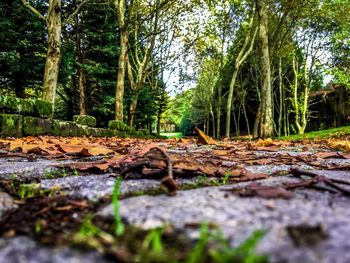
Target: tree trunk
point(280, 84)
point(53, 56)
point(229, 102)
point(122, 62)
point(81, 70)
point(158, 122)
point(132, 109)
point(218, 112)
point(257, 122)
point(241, 57)
point(266, 123)
point(82, 93)
point(19, 87)
point(245, 116)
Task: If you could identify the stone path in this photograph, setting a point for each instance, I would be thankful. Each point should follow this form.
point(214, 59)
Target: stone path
point(287, 222)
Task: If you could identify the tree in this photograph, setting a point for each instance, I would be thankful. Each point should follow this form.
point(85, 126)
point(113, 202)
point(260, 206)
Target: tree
point(266, 121)
point(53, 20)
point(120, 7)
point(241, 57)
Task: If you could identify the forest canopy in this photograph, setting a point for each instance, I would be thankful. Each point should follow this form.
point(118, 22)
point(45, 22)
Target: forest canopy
point(230, 67)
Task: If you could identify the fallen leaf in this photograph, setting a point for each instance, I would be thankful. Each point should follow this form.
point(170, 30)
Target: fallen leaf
point(247, 175)
point(203, 138)
point(94, 151)
point(342, 145)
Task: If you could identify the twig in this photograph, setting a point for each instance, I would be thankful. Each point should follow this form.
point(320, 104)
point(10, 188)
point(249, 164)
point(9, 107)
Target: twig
point(320, 178)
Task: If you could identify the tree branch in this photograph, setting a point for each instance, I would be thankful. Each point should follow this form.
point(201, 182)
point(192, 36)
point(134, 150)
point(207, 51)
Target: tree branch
point(34, 10)
point(76, 11)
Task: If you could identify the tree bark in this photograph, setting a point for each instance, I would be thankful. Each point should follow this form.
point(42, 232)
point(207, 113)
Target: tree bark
point(241, 57)
point(266, 123)
point(132, 110)
point(280, 86)
point(53, 56)
point(218, 112)
point(122, 62)
point(81, 70)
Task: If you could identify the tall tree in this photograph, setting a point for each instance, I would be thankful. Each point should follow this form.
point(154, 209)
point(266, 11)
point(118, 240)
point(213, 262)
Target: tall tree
point(53, 20)
point(241, 57)
point(266, 121)
point(120, 7)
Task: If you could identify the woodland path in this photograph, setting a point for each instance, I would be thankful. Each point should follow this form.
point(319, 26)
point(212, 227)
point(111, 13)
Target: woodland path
point(298, 192)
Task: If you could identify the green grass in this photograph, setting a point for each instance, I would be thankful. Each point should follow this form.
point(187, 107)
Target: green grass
point(323, 134)
point(170, 135)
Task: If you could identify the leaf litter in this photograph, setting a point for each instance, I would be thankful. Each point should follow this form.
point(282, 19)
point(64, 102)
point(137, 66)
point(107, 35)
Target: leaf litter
point(167, 160)
point(45, 217)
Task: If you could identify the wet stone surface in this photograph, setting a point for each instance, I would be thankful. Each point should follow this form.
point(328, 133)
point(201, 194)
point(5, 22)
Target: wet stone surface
point(94, 187)
point(22, 249)
point(21, 168)
point(6, 203)
point(238, 217)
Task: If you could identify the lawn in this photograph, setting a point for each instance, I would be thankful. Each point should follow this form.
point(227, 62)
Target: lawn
point(171, 134)
point(323, 134)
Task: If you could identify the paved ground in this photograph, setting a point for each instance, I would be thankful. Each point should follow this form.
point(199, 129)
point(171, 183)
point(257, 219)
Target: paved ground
point(312, 226)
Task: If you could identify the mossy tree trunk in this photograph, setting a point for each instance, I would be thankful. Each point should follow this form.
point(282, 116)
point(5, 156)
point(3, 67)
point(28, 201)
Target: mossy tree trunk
point(120, 6)
point(54, 24)
point(266, 122)
point(81, 70)
point(53, 55)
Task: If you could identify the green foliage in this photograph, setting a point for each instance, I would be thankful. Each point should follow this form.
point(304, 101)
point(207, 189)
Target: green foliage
point(119, 226)
point(196, 256)
point(30, 190)
point(23, 49)
point(27, 107)
point(221, 251)
point(244, 253)
point(153, 241)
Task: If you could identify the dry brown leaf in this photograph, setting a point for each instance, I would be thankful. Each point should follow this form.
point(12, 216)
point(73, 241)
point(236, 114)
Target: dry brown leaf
point(342, 145)
point(204, 139)
point(94, 151)
point(265, 142)
point(247, 175)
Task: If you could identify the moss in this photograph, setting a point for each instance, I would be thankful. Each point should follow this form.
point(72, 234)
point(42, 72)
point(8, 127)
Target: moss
point(83, 130)
point(10, 125)
point(93, 131)
point(55, 128)
point(64, 128)
point(43, 108)
point(36, 126)
point(85, 120)
point(118, 125)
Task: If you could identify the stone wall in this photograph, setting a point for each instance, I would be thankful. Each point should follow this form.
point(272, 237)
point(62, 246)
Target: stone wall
point(33, 117)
